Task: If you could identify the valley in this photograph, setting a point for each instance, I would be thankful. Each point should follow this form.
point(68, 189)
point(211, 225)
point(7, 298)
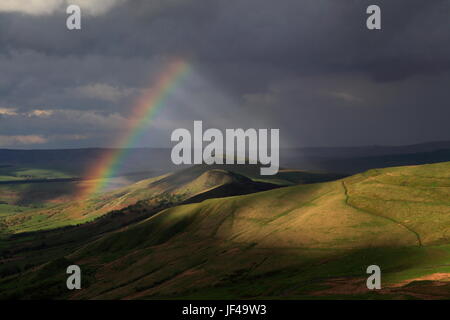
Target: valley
point(227, 233)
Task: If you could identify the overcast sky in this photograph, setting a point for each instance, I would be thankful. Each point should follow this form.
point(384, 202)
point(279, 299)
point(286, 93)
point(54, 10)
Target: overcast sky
point(308, 67)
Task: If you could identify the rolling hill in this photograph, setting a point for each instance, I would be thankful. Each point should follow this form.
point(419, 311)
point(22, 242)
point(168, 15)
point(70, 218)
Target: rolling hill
point(301, 241)
point(191, 184)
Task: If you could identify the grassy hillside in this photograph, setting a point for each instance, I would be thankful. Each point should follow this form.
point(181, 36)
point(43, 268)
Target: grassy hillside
point(198, 183)
point(303, 241)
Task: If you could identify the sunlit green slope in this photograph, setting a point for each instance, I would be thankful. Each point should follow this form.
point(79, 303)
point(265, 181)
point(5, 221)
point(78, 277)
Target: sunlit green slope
point(198, 182)
point(294, 242)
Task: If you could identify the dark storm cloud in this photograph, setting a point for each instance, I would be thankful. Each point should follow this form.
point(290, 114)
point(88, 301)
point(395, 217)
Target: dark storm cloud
point(309, 67)
point(303, 36)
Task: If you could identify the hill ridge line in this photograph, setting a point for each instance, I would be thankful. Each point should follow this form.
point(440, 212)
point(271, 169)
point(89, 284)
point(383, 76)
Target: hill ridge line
point(387, 218)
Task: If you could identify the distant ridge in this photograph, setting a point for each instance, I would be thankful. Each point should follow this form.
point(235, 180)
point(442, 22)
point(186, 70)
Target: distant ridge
point(346, 160)
point(374, 150)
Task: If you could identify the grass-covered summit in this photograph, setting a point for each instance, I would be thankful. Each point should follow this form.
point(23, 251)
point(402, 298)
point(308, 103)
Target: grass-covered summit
point(302, 241)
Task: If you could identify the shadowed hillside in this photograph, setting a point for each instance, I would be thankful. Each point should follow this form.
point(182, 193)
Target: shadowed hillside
point(198, 182)
point(301, 241)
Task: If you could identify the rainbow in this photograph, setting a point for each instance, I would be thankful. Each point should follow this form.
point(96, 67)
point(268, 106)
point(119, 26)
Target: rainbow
point(147, 106)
